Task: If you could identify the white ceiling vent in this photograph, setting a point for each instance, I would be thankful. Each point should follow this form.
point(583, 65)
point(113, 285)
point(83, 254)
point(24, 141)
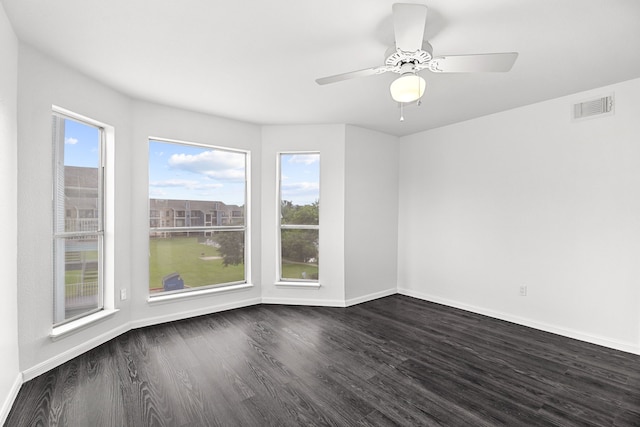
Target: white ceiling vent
point(593, 108)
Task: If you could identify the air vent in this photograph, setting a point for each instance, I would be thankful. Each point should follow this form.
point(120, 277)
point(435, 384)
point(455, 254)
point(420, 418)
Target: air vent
point(594, 107)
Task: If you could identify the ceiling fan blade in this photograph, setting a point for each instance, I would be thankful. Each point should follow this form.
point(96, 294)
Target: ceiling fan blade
point(473, 63)
point(409, 21)
point(353, 74)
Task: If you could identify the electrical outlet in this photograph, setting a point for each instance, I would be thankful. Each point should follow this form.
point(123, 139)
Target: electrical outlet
point(523, 290)
point(123, 294)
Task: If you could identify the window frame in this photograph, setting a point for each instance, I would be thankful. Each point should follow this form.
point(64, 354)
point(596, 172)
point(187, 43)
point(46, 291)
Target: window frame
point(281, 281)
point(59, 237)
point(246, 227)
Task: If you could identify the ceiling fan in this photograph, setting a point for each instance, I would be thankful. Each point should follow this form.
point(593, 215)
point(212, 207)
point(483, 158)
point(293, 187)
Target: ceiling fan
point(412, 54)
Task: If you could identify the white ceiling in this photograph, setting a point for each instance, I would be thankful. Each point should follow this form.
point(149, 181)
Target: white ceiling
point(257, 61)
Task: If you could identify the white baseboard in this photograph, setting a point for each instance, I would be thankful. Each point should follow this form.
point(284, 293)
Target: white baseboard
point(11, 397)
point(61, 358)
point(171, 317)
point(605, 342)
point(90, 344)
point(370, 297)
point(304, 301)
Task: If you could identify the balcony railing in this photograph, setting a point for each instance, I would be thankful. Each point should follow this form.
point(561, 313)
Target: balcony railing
point(81, 224)
point(84, 294)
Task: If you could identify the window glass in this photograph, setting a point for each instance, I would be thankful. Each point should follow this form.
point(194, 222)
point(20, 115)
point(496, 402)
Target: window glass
point(299, 216)
point(197, 226)
point(78, 218)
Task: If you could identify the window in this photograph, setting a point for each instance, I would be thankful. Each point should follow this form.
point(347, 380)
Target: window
point(78, 227)
point(299, 204)
point(196, 244)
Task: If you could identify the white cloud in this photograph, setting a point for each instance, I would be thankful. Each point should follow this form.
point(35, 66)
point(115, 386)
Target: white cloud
point(307, 159)
point(71, 141)
point(301, 192)
point(157, 193)
point(215, 164)
point(173, 183)
point(301, 186)
point(183, 183)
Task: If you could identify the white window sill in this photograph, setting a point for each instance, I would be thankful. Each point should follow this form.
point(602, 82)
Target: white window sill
point(308, 285)
point(156, 299)
point(68, 328)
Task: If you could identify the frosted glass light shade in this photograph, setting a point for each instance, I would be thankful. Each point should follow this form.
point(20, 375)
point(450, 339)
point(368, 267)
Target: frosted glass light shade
point(407, 88)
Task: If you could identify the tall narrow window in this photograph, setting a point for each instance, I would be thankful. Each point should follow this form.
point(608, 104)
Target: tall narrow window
point(78, 228)
point(197, 209)
point(299, 216)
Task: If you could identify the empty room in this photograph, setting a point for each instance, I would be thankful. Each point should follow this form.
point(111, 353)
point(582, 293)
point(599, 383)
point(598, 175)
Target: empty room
point(320, 213)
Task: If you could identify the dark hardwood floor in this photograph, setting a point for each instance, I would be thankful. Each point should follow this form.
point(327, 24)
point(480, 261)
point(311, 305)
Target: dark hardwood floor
point(392, 361)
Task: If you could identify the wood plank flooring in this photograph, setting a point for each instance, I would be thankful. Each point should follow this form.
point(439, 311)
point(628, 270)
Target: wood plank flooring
point(392, 361)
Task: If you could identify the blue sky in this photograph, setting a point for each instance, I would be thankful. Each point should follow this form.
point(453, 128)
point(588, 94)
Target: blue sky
point(179, 171)
point(300, 178)
point(81, 144)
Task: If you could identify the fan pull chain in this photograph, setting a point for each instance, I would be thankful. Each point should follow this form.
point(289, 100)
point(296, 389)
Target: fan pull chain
point(402, 111)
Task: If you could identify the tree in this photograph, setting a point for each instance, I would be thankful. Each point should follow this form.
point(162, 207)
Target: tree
point(231, 247)
point(299, 245)
point(299, 215)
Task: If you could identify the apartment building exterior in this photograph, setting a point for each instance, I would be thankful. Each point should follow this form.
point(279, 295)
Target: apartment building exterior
point(81, 206)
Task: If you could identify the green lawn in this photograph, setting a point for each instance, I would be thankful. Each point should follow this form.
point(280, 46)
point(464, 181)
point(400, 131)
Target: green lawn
point(294, 270)
point(74, 285)
point(183, 255)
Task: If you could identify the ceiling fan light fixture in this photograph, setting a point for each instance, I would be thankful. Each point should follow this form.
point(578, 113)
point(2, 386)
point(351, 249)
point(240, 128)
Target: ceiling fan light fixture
point(408, 87)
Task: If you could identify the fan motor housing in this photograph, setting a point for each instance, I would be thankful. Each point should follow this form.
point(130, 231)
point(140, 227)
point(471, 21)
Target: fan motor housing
point(397, 58)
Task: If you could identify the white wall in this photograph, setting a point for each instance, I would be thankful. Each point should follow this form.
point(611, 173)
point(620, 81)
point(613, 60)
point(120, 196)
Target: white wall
point(371, 214)
point(42, 83)
point(529, 197)
point(151, 120)
point(329, 140)
point(521, 197)
point(10, 376)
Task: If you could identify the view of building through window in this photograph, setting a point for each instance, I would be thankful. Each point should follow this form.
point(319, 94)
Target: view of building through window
point(197, 226)
point(78, 218)
point(299, 216)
